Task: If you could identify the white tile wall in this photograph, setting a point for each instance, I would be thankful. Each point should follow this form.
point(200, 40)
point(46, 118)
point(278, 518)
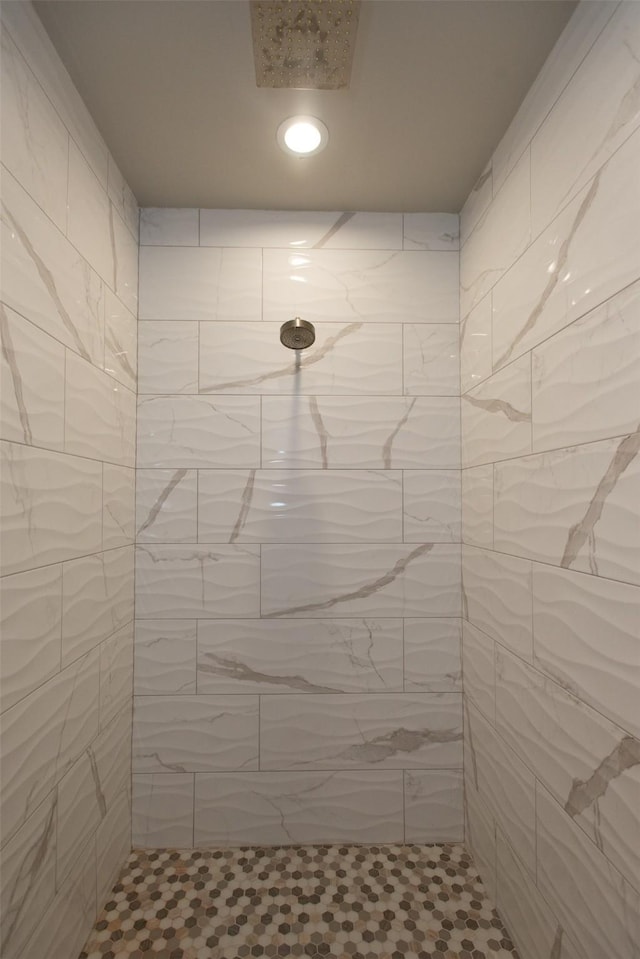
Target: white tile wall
point(298, 527)
point(68, 318)
point(550, 409)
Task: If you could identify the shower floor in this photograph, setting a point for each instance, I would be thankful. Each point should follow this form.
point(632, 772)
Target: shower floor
point(351, 902)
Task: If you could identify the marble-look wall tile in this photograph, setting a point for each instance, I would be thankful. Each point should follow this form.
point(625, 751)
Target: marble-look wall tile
point(505, 782)
point(480, 833)
point(573, 508)
point(28, 875)
point(585, 378)
point(496, 416)
point(165, 226)
point(31, 132)
point(183, 734)
point(168, 356)
point(198, 431)
point(476, 204)
point(477, 506)
point(167, 506)
point(596, 113)
point(432, 655)
point(302, 655)
point(118, 506)
point(45, 279)
point(120, 341)
point(31, 611)
point(585, 256)
point(89, 211)
point(100, 414)
point(187, 582)
point(302, 506)
point(431, 231)
point(43, 735)
point(122, 197)
point(384, 287)
point(478, 669)
point(185, 283)
point(271, 808)
point(163, 806)
point(301, 230)
point(392, 731)
point(601, 912)
point(62, 930)
point(369, 433)
point(497, 597)
point(125, 262)
point(31, 383)
point(51, 507)
point(346, 358)
point(433, 805)
point(431, 501)
point(97, 599)
point(475, 345)
point(499, 238)
point(113, 844)
point(165, 656)
point(586, 761)
point(116, 674)
point(431, 359)
point(572, 613)
point(370, 580)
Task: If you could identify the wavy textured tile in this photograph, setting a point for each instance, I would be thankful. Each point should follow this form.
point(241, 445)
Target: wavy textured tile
point(272, 808)
point(585, 378)
point(380, 287)
point(496, 416)
point(302, 506)
point(433, 805)
point(601, 912)
point(43, 735)
point(499, 237)
point(480, 833)
point(573, 508)
point(431, 359)
point(45, 279)
point(431, 231)
point(505, 783)
point(88, 216)
point(163, 810)
point(120, 342)
point(116, 674)
point(571, 615)
point(476, 204)
point(477, 506)
point(367, 433)
point(431, 501)
point(392, 731)
point(121, 195)
point(184, 582)
point(303, 655)
point(585, 256)
point(432, 650)
point(590, 765)
point(370, 580)
point(596, 113)
point(301, 230)
point(100, 415)
point(51, 507)
point(31, 383)
point(346, 358)
point(168, 356)
point(496, 597)
point(160, 226)
point(167, 506)
point(188, 283)
point(198, 431)
point(180, 734)
point(478, 665)
point(118, 506)
point(475, 345)
point(113, 844)
point(31, 610)
point(97, 599)
point(165, 656)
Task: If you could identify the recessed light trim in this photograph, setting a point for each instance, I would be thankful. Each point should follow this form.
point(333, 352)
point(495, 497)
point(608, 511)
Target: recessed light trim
point(302, 136)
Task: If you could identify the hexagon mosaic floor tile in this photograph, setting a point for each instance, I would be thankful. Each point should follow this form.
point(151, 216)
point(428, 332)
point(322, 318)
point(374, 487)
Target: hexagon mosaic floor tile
point(341, 902)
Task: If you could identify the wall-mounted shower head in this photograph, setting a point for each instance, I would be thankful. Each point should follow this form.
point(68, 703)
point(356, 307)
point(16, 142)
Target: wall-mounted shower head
point(297, 334)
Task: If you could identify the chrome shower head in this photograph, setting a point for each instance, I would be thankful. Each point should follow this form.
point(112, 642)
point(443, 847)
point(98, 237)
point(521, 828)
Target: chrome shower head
point(297, 334)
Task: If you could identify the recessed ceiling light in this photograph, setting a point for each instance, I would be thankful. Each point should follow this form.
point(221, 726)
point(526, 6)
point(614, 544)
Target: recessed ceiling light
point(303, 136)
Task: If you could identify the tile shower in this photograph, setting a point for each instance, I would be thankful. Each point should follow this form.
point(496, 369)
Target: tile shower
point(298, 674)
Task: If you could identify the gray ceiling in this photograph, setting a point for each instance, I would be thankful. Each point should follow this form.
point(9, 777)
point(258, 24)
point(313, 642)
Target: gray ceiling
point(435, 83)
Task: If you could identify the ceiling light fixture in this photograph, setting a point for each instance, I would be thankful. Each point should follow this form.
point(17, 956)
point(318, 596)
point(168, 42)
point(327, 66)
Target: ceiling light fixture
point(302, 136)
